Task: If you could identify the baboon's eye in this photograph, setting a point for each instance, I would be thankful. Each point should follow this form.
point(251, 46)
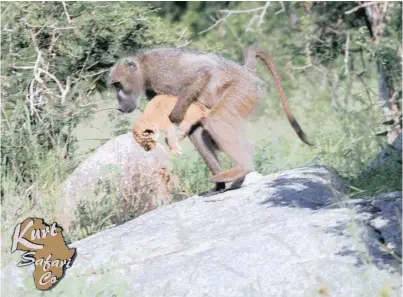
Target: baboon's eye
point(117, 85)
point(147, 132)
point(132, 64)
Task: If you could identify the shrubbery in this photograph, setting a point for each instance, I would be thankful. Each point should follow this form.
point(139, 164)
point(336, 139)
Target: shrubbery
point(55, 58)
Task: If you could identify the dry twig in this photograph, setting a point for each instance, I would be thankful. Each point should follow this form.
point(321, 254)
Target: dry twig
point(66, 12)
point(363, 5)
point(346, 56)
point(229, 13)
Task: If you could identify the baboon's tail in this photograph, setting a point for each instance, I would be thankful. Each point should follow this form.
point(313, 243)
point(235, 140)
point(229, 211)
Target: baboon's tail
point(277, 81)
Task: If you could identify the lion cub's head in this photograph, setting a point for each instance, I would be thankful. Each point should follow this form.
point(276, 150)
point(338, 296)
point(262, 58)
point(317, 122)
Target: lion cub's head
point(146, 134)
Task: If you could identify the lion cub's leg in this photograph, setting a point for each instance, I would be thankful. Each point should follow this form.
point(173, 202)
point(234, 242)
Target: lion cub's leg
point(172, 140)
point(195, 113)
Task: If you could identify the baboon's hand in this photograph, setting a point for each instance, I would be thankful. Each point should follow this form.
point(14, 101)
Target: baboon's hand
point(175, 117)
point(203, 122)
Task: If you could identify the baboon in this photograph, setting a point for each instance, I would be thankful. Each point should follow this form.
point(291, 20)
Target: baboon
point(230, 90)
point(155, 119)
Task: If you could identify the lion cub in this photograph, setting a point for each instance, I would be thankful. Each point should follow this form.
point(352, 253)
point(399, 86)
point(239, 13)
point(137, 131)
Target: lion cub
point(155, 119)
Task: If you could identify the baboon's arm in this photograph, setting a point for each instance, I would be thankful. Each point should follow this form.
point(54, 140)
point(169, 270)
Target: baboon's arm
point(189, 94)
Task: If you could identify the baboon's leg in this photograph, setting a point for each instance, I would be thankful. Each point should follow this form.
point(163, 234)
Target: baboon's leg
point(235, 185)
point(207, 150)
point(189, 94)
point(239, 150)
point(225, 124)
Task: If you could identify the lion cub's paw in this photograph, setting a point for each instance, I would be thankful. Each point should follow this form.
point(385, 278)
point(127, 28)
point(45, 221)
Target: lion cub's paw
point(174, 147)
point(177, 151)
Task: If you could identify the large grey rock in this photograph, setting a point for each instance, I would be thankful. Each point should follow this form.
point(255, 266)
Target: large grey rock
point(120, 170)
point(288, 234)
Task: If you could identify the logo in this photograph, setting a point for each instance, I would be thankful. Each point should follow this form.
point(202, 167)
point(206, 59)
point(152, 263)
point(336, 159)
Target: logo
point(45, 248)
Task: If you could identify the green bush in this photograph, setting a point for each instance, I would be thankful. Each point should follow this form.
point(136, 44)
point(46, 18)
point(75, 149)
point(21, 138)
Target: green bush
point(55, 60)
point(74, 48)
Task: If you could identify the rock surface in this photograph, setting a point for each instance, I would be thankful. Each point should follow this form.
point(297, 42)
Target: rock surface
point(384, 214)
point(121, 164)
point(288, 234)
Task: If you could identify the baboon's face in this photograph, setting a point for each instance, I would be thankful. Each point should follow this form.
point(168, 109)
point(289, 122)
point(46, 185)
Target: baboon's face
point(128, 84)
point(127, 100)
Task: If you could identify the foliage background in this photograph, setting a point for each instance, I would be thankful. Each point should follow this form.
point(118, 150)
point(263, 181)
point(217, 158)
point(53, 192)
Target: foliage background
point(57, 107)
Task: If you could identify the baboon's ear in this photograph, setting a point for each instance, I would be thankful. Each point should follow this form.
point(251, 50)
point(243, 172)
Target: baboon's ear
point(131, 64)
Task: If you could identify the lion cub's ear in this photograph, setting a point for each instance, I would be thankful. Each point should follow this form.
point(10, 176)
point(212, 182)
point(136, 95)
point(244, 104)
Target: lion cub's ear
point(148, 132)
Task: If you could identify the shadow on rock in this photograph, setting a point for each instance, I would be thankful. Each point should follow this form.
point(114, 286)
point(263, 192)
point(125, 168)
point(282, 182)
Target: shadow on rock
point(382, 217)
point(312, 187)
point(372, 224)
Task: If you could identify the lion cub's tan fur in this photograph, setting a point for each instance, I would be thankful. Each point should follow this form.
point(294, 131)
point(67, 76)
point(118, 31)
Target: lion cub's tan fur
point(155, 119)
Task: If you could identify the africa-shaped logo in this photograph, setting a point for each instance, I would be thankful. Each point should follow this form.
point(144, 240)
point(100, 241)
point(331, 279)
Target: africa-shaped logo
point(45, 248)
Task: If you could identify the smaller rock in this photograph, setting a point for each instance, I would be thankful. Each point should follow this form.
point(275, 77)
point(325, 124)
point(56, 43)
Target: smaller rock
point(121, 179)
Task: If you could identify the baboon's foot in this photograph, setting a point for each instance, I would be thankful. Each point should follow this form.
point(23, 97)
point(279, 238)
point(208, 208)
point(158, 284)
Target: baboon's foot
point(234, 186)
point(219, 188)
point(233, 174)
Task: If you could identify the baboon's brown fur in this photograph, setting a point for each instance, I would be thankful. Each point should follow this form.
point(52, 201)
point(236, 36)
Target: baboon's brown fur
point(230, 90)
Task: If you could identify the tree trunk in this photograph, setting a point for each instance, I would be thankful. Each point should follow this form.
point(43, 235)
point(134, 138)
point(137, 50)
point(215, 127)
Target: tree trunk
point(386, 92)
point(376, 17)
